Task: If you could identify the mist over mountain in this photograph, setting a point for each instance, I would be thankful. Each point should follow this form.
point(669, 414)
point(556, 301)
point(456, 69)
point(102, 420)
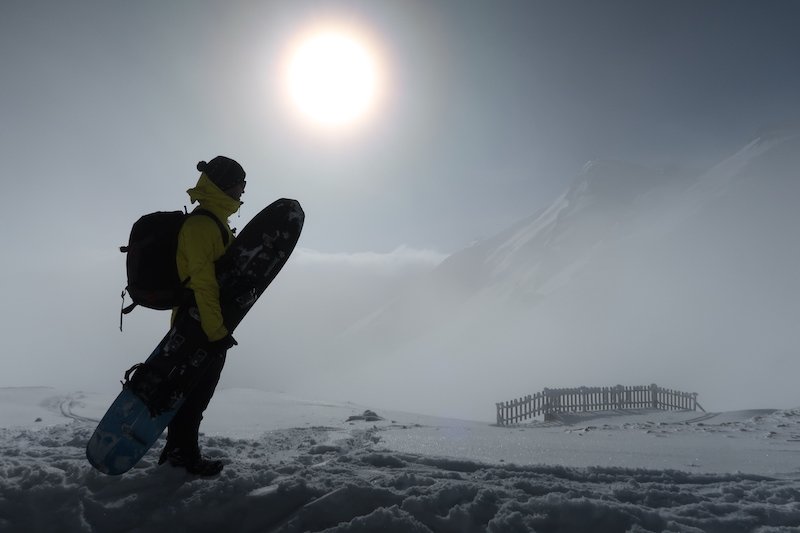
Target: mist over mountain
point(632, 275)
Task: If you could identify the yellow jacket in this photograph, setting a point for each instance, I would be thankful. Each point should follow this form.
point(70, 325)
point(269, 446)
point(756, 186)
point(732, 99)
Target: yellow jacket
point(200, 244)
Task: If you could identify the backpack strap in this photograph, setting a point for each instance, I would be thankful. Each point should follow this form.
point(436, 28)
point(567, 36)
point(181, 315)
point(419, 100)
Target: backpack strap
point(222, 228)
point(125, 310)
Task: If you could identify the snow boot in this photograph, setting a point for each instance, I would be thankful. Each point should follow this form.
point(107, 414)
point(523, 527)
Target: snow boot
point(191, 460)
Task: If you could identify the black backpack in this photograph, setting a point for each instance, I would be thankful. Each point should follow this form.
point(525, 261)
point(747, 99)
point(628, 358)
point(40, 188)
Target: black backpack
point(153, 279)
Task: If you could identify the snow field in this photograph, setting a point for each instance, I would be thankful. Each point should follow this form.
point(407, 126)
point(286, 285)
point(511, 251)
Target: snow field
point(338, 476)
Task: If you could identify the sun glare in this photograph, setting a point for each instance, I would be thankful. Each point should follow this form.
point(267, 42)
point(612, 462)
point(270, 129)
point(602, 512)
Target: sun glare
point(332, 76)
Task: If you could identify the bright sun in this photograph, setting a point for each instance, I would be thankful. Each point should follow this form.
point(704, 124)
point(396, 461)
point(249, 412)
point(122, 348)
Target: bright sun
point(333, 76)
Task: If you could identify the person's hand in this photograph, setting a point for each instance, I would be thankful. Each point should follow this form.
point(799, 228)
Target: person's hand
point(222, 345)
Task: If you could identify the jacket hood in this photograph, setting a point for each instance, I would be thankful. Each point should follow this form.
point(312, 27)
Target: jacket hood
point(211, 197)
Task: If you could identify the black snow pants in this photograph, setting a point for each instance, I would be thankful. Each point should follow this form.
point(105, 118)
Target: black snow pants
point(184, 429)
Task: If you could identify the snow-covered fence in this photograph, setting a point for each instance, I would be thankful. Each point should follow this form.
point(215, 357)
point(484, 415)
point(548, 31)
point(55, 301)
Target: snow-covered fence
point(552, 401)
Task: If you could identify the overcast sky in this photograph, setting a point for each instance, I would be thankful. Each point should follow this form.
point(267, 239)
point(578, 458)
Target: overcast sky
point(491, 108)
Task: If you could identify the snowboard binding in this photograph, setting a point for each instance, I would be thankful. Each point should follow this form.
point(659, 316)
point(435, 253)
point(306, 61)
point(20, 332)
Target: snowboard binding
point(148, 383)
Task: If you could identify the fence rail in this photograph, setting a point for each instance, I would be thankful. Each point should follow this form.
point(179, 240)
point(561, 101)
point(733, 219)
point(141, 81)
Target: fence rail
point(550, 402)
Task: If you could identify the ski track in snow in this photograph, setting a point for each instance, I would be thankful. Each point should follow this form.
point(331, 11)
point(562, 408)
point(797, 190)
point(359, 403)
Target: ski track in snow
point(344, 479)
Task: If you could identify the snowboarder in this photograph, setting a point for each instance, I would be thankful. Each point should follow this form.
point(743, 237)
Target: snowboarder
point(200, 243)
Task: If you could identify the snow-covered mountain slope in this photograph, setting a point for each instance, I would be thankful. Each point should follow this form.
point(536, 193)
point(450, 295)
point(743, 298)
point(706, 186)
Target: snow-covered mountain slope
point(632, 275)
point(613, 201)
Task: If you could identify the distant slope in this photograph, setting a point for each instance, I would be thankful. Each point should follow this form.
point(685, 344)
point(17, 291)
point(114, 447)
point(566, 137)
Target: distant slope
point(632, 273)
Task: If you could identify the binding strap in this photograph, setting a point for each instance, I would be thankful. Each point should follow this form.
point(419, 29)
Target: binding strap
point(130, 371)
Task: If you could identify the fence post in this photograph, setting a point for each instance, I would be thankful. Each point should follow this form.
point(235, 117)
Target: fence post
point(530, 406)
point(547, 405)
point(654, 395)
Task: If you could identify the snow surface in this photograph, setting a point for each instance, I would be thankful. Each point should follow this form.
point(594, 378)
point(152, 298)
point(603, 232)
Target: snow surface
point(299, 465)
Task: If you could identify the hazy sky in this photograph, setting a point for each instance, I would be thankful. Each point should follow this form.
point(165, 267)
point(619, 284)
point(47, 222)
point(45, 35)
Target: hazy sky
point(491, 108)
point(107, 106)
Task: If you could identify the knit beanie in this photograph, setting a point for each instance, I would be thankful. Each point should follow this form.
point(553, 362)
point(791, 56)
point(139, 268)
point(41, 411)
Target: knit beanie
point(223, 171)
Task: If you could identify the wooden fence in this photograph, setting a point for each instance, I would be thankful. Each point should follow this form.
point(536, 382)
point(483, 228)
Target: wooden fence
point(550, 402)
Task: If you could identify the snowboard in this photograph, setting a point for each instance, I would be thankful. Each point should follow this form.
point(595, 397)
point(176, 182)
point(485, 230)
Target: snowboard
point(154, 391)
